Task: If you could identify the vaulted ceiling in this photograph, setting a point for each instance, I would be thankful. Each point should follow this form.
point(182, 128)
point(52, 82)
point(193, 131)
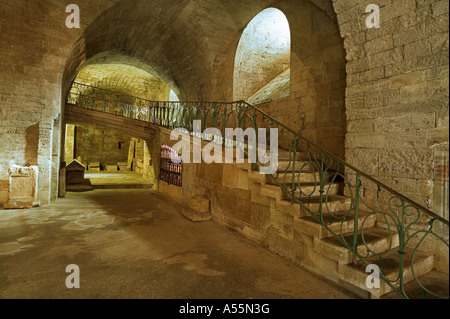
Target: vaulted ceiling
point(179, 42)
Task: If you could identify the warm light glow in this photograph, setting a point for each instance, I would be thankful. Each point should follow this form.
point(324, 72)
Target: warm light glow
point(173, 96)
point(271, 29)
point(124, 78)
point(263, 52)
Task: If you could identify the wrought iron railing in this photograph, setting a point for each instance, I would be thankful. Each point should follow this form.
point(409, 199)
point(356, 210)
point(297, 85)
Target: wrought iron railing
point(412, 229)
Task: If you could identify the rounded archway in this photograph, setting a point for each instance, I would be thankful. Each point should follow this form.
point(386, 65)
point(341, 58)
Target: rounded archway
point(125, 79)
point(111, 154)
point(263, 54)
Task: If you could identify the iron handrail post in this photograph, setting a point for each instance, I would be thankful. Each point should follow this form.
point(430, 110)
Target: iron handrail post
point(356, 218)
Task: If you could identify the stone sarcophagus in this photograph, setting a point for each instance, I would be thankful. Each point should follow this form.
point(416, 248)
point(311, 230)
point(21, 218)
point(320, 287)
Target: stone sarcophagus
point(75, 173)
point(23, 187)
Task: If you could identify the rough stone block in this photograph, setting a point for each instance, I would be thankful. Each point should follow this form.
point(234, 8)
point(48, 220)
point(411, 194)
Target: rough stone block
point(281, 245)
point(407, 79)
point(111, 168)
point(440, 8)
point(94, 167)
point(123, 166)
point(23, 187)
point(197, 209)
point(139, 166)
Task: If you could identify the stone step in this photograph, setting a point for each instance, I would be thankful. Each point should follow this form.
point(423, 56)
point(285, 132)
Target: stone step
point(333, 204)
point(79, 188)
point(435, 281)
point(273, 191)
point(389, 267)
point(288, 166)
point(285, 164)
point(197, 209)
point(308, 189)
point(302, 177)
point(287, 155)
point(288, 208)
point(311, 226)
point(313, 189)
point(376, 240)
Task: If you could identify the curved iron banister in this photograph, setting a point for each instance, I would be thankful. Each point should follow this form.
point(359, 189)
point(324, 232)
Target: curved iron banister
point(389, 189)
point(409, 225)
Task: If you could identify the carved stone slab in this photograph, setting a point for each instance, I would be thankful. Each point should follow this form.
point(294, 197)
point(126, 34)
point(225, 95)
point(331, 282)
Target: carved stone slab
point(23, 187)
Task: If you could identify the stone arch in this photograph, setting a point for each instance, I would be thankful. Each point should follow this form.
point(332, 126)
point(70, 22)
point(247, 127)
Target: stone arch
point(122, 70)
point(316, 104)
point(263, 53)
point(124, 78)
point(194, 65)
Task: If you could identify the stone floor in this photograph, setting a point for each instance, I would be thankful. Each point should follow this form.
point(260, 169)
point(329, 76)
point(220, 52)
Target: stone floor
point(136, 244)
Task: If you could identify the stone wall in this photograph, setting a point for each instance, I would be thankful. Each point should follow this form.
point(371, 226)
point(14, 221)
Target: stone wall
point(143, 158)
point(388, 97)
point(35, 45)
point(397, 91)
point(276, 89)
point(315, 106)
point(97, 144)
point(376, 97)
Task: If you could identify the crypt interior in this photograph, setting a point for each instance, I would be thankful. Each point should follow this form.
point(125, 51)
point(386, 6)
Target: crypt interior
point(90, 174)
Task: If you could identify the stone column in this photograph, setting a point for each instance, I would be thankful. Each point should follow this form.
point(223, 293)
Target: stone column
point(69, 147)
point(44, 161)
point(62, 180)
point(131, 152)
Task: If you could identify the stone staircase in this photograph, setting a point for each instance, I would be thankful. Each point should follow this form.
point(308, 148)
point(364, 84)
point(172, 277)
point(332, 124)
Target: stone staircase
point(350, 273)
point(297, 235)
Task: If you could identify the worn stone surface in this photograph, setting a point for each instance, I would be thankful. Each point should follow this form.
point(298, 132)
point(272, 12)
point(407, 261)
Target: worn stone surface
point(111, 168)
point(276, 89)
point(197, 209)
point(397, 91)
point(256, 209)
point(142, 248)
point(378, 97)
point(263, 53)
point(35, 45)
point(94, 167)
point(123, 166)
point(23, 187)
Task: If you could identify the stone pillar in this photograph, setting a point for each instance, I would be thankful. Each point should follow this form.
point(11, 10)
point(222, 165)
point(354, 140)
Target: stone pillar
point(131, 153)
point(44, 161)
point(23, 187)
point(197, 209)
point(441, 181)
point(69, 148)
point(56, 155)
point(62, 180)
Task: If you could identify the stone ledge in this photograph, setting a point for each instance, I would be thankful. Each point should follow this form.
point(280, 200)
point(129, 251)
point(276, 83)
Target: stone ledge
point(20, 204)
